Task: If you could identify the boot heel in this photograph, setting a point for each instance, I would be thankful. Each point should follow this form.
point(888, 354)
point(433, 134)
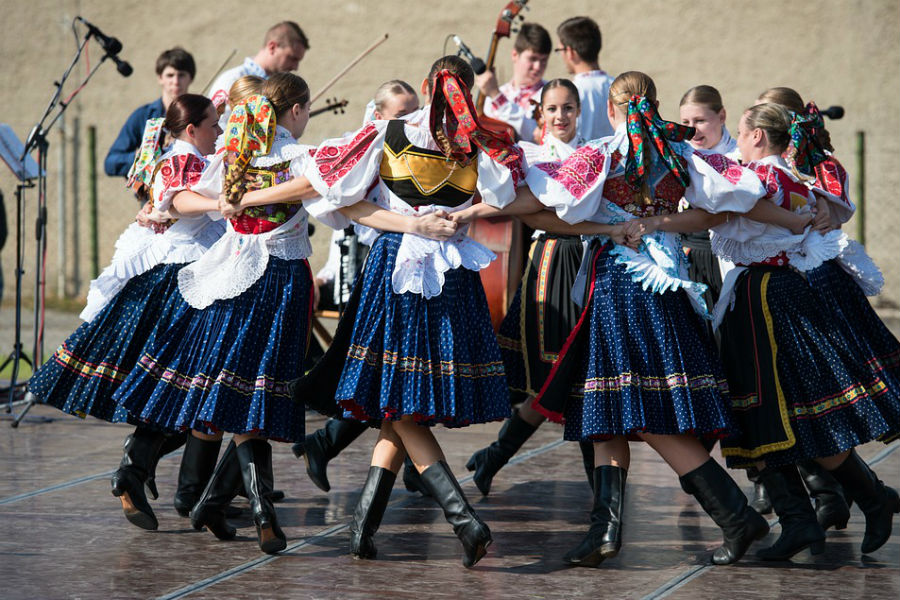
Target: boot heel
point(135, 516)
point(471, 465)
point(269, 541)
point(817, 548)
point(842, 524)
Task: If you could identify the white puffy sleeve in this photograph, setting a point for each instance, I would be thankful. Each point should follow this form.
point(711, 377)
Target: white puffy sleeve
point(504, 109)
point(318, 207)
point(342, 171)
point(719, 184)
point(175, 174)
point(574, 187)
point(496, 183)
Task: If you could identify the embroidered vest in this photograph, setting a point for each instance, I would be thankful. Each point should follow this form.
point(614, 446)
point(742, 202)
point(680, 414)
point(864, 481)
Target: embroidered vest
point(422, 177)
point(261, 219)
point(794, 196)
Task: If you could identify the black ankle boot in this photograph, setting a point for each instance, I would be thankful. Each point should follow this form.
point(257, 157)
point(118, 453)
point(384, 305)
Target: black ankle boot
point(325, 444)
point(587, 460)
point(210, 509)
point(141, 448)
point(255, 457)
point(831, 506)
point(724, 501)
point(471, 530)
point(604, 538)
point(412, 481)
point(877, 501)
point(172, 442)
point(197, 464)
point(760, 502)
point(369, 510)
point(799, 527)
point(488, 461)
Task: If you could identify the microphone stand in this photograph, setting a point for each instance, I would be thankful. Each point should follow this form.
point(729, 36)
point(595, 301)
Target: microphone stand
point(37, 139)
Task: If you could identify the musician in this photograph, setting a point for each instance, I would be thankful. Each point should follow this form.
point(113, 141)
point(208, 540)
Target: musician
point(284, 46)
point(514, 101)
point(175, 70)
point(580, 44)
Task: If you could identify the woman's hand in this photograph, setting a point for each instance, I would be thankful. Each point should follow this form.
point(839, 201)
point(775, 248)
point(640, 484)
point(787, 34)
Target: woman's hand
point(821, 222)
point(435, 226)
point(803, 221)
point(466, 215)
point(228, 209)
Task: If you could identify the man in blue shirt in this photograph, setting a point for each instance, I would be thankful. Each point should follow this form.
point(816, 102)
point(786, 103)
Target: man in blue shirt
point(175, 71)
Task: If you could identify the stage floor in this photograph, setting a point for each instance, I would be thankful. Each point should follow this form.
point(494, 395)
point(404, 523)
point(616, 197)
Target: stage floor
point(62, 535)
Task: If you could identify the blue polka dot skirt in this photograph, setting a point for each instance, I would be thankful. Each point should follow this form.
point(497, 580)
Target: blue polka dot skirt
point(227, 367)
point(636, 362)
point(84, 372)
point(436, 359)
point(541, 314)
point(803, 378)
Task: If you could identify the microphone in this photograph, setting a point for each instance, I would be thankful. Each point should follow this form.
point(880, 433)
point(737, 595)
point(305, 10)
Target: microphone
point(110, 45)
point(477, 64)
point(833, 112)
point(122, 66)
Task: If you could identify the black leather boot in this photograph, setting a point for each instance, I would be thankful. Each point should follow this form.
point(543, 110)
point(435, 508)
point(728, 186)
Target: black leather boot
point(799, 527)
point(210, 510)
point(172, 442)
point(604, 538)
point(760, 502)
point(255, 457)
point(141, 449)
point(325, 444)
point(877, 501)
point(724, 501)
point(197, 464)
point(587, 459)
point(831, 506)
point(468, 527)
point(369, 510)
point(488, 461)
point(412, 481)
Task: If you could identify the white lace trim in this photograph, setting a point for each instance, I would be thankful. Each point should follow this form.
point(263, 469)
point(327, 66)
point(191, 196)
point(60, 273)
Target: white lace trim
point(421, 263)
point(237, 261)
point(139, 249)
point(855, 261)
point(284, 148)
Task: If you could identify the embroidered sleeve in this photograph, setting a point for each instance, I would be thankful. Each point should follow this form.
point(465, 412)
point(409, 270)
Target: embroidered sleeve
point(720, 184)
point(831, 177)
point(344, 168)
point(574, 187)
point(176, 173)
point(496, 183)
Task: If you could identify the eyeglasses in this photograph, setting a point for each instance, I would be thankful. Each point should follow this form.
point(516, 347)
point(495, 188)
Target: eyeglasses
point(563, 49)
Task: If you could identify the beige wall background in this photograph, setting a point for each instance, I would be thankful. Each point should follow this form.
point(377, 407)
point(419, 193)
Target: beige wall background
point(844, 52)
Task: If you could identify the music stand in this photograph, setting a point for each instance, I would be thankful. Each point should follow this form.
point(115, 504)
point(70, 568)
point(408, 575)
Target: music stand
point(37, 139)
point(26, 171)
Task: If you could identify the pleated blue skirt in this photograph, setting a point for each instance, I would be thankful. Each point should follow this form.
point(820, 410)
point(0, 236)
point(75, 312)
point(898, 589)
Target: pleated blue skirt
point(436, 359)
point(84, 372)
point(227, 367)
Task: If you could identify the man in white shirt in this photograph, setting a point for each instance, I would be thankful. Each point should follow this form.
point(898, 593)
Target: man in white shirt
point(580, 44)
point(283, 48)
point(514, 101)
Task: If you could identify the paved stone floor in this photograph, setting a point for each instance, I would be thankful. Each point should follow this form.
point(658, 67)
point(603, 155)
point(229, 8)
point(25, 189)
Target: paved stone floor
point(62, 535)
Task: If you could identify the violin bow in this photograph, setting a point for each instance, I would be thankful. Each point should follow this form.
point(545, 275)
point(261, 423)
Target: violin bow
point(216, 74)
point(352, 64)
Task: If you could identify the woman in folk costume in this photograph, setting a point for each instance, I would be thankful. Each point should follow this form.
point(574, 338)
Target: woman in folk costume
point(415, 347)
point(542, 313)
point(823, 374)
point(639, 359)
point(133, 300)
point(225, 363)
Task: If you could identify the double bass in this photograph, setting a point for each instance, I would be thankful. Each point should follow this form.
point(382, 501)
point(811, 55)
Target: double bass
point(502, 235)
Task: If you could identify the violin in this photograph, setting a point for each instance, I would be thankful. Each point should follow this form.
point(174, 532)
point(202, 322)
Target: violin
point(334, 105)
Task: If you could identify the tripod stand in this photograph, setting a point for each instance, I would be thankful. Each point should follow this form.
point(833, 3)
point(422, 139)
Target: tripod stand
point(37, 140)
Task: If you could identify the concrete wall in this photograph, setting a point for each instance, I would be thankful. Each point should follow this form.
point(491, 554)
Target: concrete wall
point(843, 52)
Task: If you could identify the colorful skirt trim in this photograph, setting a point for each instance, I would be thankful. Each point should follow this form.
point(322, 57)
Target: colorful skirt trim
point(84, 372)
point(803, 383)
point(436, 359)
point(228, 367)
point(541, 314)
point(636, 362)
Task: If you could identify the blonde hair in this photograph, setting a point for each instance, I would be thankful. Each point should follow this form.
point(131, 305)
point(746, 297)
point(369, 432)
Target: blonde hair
point(774, 120)
point(623, 87)
point(243, 88)
point(283, 91)
point(389, 89)
point(703, 95)
point(784, 96)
